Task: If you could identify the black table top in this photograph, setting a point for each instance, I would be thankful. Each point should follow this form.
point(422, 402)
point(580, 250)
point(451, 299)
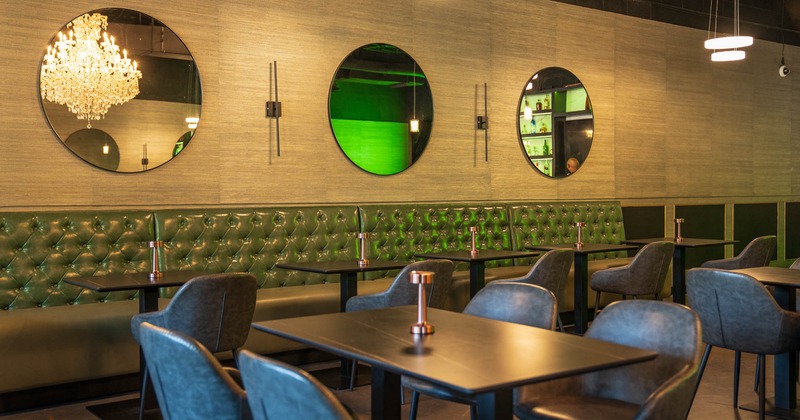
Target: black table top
point(483, 255)
point(774, 276)
point(586, 249)
point(466, 353)
point(132, 281)
point(337, 267)
point(684, 242)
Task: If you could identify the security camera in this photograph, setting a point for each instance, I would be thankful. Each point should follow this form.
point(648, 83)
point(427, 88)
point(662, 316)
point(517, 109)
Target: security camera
point(783, 71)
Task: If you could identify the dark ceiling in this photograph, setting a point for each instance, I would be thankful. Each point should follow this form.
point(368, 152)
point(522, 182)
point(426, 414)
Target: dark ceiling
point(769, 20)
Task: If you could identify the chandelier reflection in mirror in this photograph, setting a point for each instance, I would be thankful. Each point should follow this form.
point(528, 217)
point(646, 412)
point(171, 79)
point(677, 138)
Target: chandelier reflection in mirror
point(86, 74)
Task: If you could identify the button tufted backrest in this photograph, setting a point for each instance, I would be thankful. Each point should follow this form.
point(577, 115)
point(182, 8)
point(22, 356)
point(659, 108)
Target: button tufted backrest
point(39, 249)
point(554, 223)
point(399, 231)
point(254, 240)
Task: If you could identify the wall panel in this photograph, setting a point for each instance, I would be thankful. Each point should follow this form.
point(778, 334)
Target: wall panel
point(669, 124)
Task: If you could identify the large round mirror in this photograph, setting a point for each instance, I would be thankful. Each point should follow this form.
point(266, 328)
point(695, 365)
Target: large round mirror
point(381, 109)
point(556, 123)
point(120, 90)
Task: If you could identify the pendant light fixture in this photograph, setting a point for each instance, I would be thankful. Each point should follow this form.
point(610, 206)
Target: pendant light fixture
point(414, 123)
point(729, 44)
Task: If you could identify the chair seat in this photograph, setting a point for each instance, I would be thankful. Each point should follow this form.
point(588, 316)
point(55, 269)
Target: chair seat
point(566, 407)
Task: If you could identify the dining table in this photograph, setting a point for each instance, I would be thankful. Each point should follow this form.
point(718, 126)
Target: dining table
point(477, 262)
point(479, 357)
point(679, 259)
point(148, 302)
point(348, 272)
point(581, 275)
point(785, 282)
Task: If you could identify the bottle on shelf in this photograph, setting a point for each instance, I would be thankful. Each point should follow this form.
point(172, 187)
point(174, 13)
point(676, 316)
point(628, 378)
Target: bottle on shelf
point(538, 104)
point(545, 148)
point(547, 102)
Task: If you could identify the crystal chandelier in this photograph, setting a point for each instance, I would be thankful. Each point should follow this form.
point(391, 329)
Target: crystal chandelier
point(86, 74)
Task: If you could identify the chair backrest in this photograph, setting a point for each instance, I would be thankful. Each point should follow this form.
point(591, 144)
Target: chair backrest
point(189, 382)
point(276, 390)
point(214, 309)
point(402, 292)
point(521, 303)
point(757, 253)
point(649, 268)
point(738, 313)
point(668, 328)
point(551, 271)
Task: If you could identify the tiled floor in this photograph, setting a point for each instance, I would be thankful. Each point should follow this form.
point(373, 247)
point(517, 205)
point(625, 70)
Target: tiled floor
point(714, 397)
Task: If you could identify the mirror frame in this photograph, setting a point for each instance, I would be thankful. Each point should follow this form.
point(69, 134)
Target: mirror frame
point(553, 110)
point(422, 103)
point(119, 124)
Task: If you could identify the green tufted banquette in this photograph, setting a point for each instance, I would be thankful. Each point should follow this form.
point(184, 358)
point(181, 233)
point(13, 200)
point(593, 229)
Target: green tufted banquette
point(38, 250)
point(397, 232)
point(49, 335)
point(554, 223)
point(254, 240)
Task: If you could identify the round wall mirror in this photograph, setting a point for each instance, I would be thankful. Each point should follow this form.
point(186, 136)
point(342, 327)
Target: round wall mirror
point(122, 75)
point(381, 109)
point(556, 122)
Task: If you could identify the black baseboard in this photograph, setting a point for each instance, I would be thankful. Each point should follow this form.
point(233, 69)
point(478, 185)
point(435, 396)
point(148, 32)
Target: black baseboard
point(68, 393)
point(43, 397)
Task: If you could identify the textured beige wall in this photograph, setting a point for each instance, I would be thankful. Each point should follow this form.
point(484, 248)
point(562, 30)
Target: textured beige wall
point(671, 127)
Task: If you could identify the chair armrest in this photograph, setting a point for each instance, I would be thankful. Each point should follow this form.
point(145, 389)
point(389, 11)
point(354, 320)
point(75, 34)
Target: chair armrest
point(673, 398)
point(235, 375)
point(362, 303)
point(723, 264)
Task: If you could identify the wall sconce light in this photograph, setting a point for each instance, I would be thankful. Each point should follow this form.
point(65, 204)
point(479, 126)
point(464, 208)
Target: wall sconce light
point(145, 160)
point(273, 108)
point(105, 149)
point(483, 122)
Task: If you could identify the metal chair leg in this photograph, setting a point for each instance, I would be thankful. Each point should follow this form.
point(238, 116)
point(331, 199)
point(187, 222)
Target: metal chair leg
point(703, 362)
point(143, 396)
point(737, 361)
point(353, 373)
point(560, 324)
point(762, 386)
point(597, 304)
point(412, 414)
point(758, 370)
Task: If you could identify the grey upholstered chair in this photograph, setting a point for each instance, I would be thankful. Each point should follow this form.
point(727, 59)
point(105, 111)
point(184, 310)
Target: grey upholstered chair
point(645, 275)
point(657, 389)
point(276, 390)
point(189, 381)
point(402, 292)
point(516, 302)
point(738, 313)
point(551, 271)
point(214, 309)
point(757, 253)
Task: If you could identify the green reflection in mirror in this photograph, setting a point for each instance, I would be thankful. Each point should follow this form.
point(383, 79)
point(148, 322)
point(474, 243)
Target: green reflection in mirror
point(376, 93)
point(556, 122)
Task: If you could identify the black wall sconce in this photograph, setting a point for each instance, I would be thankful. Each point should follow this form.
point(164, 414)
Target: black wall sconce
point(482, 123)
point(273, 108)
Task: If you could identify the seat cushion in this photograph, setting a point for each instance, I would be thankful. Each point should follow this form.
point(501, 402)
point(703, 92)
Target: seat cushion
point(69, 343)
point(568, 407)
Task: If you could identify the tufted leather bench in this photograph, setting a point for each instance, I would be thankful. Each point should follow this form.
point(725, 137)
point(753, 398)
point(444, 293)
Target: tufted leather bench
point(54, 333)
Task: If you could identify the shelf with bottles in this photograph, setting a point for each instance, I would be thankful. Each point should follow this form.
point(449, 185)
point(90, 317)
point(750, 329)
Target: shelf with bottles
point(544, 166)
point(538, 148)
point(538, 124)
point(533, 103)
